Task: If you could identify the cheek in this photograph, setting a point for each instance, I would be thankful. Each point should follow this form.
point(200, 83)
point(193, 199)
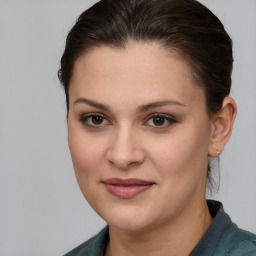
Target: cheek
point(181, 163)
point(87, 154)
point(182, 153)
point(86, 151)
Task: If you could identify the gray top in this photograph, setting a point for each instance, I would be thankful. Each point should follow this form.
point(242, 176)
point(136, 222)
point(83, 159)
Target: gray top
point(223, 238)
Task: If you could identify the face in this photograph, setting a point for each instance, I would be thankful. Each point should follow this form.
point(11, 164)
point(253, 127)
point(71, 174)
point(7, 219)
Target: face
point(139, 135)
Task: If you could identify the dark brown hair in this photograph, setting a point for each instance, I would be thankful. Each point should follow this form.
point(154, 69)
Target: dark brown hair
point(185, 26)
point(182, 25)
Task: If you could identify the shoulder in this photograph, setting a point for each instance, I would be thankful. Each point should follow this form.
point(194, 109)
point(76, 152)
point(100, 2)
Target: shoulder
point(224, 238)
point(82, 249)
point(95, 246)
point(237, 242)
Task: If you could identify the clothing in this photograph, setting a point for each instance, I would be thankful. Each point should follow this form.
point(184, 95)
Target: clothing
point(223, 238)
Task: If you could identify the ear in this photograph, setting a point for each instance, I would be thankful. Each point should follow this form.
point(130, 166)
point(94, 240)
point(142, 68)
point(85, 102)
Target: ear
point(222, 125)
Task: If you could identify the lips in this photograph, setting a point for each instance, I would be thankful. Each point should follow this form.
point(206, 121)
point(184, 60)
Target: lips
point(127, 188)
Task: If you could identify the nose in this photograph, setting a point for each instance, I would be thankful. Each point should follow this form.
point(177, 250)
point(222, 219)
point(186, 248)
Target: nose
point(125, 149)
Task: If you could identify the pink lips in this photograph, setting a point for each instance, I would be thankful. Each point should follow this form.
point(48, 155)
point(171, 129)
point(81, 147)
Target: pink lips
point(127, 188)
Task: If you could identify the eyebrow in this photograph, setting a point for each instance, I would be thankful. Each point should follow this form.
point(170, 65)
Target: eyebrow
point(157, 104)
point(142, 108)
point(91, 103)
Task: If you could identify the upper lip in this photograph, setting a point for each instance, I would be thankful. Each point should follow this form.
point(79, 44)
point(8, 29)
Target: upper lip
point(126, 182)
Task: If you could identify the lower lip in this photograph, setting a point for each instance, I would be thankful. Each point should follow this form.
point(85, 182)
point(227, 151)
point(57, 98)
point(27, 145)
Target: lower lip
point(127, 192)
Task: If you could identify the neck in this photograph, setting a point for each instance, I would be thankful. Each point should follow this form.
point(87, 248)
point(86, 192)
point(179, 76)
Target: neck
point(176, 237)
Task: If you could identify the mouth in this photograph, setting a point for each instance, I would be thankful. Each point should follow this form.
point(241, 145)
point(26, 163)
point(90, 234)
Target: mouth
point(127, 188)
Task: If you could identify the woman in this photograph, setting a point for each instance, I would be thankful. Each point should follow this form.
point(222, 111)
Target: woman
point(147, 89)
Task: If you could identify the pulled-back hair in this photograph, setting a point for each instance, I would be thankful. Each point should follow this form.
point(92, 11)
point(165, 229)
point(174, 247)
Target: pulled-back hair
point(185, 26)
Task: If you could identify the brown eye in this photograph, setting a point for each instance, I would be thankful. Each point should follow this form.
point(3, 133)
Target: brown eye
point(94, 120)
point(159, 120)
point(97, 120)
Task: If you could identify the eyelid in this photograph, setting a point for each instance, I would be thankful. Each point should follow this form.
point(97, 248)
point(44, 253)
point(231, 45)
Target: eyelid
point(167, 117)
point(84, 117)
point(92, 114)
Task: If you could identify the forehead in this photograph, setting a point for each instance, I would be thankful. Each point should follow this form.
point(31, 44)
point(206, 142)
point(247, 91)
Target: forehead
point(144, 71)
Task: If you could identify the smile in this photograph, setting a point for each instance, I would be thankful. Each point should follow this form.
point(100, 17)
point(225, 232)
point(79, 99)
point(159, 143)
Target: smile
point(128, 188)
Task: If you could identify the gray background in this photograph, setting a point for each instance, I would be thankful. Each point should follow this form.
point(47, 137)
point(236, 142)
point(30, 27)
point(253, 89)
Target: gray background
point(42, 211)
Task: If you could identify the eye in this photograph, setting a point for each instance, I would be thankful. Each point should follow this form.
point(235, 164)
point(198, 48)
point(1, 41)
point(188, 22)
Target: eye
point(160, 120)
point(94, 120)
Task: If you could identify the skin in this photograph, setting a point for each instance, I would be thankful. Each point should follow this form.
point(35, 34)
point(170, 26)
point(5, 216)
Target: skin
point(127, 143)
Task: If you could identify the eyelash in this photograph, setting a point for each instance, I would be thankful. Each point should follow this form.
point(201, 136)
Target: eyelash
point(84, 120)
point(170, 120)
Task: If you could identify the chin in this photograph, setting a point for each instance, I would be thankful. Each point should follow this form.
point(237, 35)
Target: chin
point(131, 226)
point(129, 220)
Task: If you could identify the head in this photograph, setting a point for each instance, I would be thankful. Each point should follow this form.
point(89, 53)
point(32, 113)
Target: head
point(118, 61)
point(185, 26)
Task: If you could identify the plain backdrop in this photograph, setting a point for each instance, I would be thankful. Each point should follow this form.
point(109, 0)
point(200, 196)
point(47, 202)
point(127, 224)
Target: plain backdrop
point(42, 211)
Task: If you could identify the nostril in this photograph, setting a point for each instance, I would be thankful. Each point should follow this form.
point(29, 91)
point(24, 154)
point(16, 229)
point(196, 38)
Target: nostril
point(125, 151)
point(125, 161)
point(121, 162)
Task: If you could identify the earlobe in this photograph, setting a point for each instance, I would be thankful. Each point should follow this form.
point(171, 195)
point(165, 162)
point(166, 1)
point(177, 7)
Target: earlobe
point(222, 125)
